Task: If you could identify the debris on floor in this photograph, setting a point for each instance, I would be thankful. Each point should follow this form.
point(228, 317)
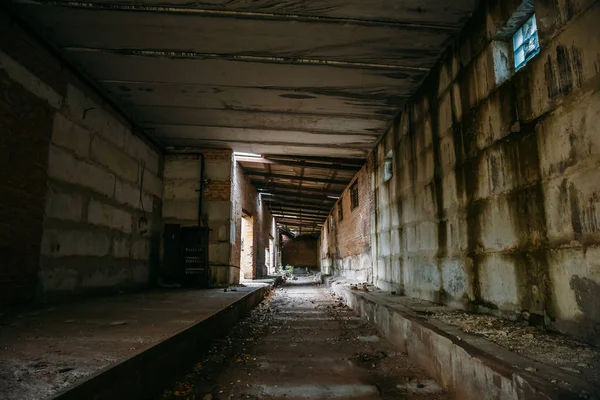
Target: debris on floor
point(533, 342)
point(303, 342)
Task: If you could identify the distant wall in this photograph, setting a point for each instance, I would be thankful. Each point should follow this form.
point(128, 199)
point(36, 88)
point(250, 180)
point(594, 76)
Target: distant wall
point(182, 182)
point(75, 214)
point(345, 247)
point(301, 252)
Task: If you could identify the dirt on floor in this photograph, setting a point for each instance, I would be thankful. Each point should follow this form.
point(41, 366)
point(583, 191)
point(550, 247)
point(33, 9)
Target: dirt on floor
point(302, 342)
point(46, 349)
point(533, 342)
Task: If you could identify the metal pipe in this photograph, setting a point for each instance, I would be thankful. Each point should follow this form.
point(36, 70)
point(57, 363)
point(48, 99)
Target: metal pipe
point(200, 194)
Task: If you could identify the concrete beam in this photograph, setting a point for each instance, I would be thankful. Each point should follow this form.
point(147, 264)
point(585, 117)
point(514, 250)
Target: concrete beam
point(296, 178)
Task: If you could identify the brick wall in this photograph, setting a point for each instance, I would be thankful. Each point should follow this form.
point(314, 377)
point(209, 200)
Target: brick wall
point(301, 252)
point(180, 206)
point(493, 205)
point(85, 193)
point(346, 246)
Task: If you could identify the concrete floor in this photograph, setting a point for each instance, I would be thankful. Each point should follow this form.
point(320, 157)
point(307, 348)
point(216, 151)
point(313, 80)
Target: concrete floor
point(304, 343)
point(48, 349)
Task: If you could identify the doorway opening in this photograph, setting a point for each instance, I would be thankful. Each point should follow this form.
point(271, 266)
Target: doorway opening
point(271, 259)
point(247, 248)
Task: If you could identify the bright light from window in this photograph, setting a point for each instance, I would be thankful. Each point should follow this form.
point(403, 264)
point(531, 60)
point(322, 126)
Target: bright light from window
point(526, 43)
point(241, 154)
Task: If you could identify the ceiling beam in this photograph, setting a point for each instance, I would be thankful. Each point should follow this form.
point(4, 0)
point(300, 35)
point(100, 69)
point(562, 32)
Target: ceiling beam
point(250, 172)
point(315, 226)
point(297, 223)
point(298, 195)
point(336, 160)
point(267, 186)
point(194, 55)
point(303, 164)
point(283, 207)
point(315, 213)
point(301, 205)
point(177, 9)
point(303, 219)
point(307, 217)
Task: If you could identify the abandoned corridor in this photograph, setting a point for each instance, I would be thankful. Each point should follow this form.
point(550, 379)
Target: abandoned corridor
point(436, 162)
point(303, 342)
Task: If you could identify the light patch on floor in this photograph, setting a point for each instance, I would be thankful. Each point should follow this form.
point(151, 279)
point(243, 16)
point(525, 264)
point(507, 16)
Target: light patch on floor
point(347, 391)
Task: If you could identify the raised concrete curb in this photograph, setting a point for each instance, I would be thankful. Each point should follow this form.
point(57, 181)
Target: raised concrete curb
point(466, 365)
point(147, 373)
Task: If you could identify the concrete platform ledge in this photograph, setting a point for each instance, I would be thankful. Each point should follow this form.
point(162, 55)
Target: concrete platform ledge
point(119, 347)
point(467, 365)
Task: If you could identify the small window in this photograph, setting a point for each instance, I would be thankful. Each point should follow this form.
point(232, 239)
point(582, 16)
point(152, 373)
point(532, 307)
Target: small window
point(354, 195)
point(388, 172)
point(331, 222)
point(340, 211)
point(526, 43)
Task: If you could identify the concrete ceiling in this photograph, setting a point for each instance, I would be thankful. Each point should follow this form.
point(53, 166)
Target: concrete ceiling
point(305, 78)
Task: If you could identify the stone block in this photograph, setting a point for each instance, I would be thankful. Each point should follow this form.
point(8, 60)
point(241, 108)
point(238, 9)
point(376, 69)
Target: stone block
point(55, 278)
point(113, 158)
point(98, 277)
point(219, 253)
point(64, 206)
point(85, 111)
point(140, 274)
point(498, 281)
point(129, 194)
point(182, 167)
point(103, 214)
point(181, 189)
point(67, 134)
point(454, 277)
point(121, 247)
point(216, 210)
point(140, 249)
point(142, 152)
point(219, 171)
point(496, 224)
point(153, 184)
point(568, 138)
point(180, 210)
point(63, 242)
point(29, 81)
point(63, 166)
point(444, 114)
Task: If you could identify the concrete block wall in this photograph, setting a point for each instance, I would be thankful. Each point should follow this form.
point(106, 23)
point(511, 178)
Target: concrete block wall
point(493, 204)
point(182, 174)
point(301, 251)
point(83, 201)
point(245, 199)
point(345, 245)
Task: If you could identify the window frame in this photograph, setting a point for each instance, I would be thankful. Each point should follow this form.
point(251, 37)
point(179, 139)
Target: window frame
point(388, 167)
point(354, 201)
point(521, 39)
point(340, 211)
